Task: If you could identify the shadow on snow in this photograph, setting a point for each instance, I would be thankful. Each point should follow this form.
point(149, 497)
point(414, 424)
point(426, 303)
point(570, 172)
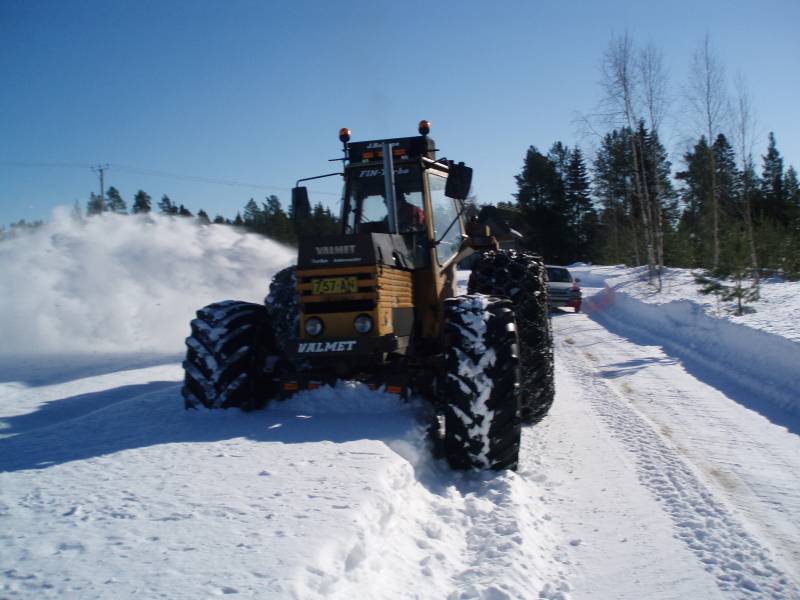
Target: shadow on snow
point(711, 377)
point(37, 370)
point(133, 417)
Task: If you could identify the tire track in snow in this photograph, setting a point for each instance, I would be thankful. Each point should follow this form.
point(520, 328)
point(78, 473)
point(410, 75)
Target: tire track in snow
point(753, 462)
point(466, 535)
point(740, 564)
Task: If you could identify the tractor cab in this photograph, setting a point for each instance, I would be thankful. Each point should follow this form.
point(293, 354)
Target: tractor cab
point(397, 186)
point(375, 291)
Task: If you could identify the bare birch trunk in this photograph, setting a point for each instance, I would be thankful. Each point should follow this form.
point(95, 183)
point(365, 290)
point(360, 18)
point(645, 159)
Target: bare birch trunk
point(708, 99)
point(714, 209)
point(654, 82)
point(745, 125)
point(640, 178)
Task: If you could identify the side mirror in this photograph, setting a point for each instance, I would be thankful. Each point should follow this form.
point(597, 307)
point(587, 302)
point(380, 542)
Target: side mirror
point(301, 207)
point(459, 181)
point(577, 280)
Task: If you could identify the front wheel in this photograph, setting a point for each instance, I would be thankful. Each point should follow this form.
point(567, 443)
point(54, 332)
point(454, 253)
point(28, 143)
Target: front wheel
point(283, 306)
point(225, 356)
point(480, 388)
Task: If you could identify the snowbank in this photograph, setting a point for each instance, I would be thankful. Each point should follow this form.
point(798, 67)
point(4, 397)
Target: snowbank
point(774, 312)
point(765, 364)
point(117, 283)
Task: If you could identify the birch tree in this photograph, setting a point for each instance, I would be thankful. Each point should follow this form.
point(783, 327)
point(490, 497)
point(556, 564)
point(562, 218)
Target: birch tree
point(653, 81)
point(745, 125)
point(619, 86)
point(708, 100)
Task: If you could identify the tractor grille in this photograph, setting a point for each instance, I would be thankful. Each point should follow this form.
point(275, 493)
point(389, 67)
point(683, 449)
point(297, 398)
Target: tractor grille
point(378, 286)
point(339, 295)
point(317, 308)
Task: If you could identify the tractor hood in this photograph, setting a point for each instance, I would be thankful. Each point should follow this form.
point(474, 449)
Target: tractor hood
point(405, 251)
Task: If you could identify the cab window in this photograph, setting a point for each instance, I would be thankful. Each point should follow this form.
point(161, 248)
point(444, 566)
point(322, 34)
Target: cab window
point(559, 275)
point(365, 205)
point(445, 211)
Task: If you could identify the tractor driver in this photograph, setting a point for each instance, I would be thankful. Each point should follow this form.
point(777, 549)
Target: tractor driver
point(410, 218)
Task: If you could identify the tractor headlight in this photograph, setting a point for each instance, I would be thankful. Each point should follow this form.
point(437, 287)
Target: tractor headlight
point(363, 323)
point(314, 326)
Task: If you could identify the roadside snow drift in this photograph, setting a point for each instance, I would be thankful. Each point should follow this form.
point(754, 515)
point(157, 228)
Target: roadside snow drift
point(115, 283)
point(759, 355)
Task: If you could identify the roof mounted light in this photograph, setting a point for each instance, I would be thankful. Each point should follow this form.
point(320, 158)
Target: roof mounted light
point(424, 127)
point(344, 135)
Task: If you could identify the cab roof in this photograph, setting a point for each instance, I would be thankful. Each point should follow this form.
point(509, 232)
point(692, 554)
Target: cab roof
point(405, 148)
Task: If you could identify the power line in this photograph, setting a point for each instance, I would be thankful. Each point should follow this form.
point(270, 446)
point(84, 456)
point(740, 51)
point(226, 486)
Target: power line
point(155, 173)
point(45, 164)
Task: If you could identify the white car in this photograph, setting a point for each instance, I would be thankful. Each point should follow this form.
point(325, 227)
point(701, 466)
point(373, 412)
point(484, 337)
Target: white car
point(563, 288)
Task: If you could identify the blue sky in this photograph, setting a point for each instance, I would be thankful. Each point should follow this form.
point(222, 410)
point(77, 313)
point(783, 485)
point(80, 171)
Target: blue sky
point(255, 92)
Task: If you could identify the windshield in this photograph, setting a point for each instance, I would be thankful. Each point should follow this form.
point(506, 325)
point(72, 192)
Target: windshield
point(558, 275)
point(446, 228)
point(365, 206)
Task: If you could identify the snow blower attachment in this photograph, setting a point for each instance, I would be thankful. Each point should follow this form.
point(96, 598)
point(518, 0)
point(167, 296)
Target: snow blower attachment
point(377, 303)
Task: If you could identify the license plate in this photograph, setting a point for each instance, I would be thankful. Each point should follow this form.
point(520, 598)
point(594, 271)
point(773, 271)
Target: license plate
point(334, 285)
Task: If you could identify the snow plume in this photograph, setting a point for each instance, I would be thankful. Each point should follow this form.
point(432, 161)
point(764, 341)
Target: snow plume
point(116, 283)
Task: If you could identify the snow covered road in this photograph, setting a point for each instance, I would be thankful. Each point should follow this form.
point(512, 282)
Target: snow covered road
point(679, 488)
point(644, 481)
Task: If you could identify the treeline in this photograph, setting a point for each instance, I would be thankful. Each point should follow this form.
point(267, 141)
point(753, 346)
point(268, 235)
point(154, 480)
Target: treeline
point(15, 229)
point(720, 211)
point(571, 213)
point(268, 218)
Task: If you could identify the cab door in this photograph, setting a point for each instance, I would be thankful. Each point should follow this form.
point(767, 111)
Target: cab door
point(445, 226)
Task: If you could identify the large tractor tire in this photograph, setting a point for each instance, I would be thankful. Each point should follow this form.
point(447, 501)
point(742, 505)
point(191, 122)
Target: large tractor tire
point(522, 278)
point(479, 389)
point(283, 306)
point(230, 344)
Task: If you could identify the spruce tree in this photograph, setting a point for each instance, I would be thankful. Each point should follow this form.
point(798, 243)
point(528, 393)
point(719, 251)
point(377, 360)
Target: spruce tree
point(253, 217)
point(202, 217)
point(560, 155)
point(95, 205)
point(183, 211)
point(276, 224)
point(582, 215)
point(729, 191)
point(696, 222)
point(613, 187)
point(774, 214)
point(774, 203)
point(166, 206)
point(141, 203)
point(321, 222)
point(792, 187)
point(114, 202)
point(541, 197)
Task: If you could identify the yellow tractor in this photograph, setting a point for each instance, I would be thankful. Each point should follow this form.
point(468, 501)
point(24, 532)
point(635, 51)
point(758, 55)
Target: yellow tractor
point(378, 303)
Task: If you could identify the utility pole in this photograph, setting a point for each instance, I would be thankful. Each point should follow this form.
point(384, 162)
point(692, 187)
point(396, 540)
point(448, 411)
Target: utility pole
point(101, 169)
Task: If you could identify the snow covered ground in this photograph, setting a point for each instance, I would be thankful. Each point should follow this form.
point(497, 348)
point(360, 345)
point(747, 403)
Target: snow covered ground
point(666, 469)
point(775, 311)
